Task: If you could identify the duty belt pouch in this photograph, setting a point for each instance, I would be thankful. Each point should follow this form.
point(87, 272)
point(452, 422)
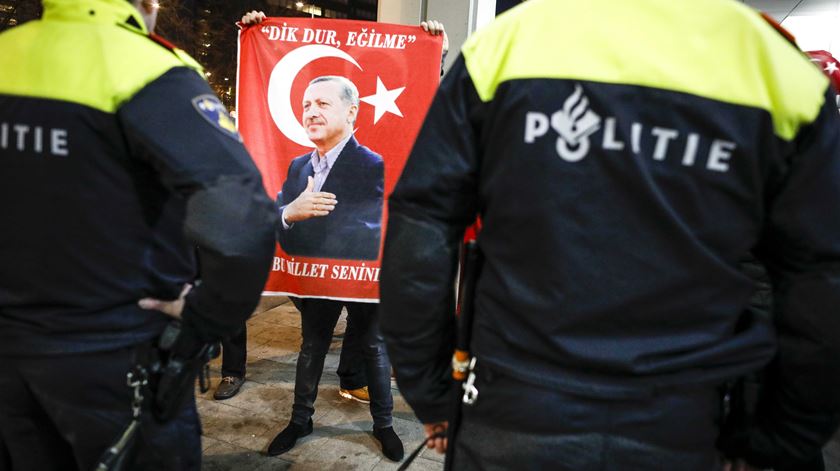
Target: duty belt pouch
point(181, 359)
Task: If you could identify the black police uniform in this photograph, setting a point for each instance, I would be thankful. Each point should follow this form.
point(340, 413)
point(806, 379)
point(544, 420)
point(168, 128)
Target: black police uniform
point(625, 158)
point(116, 160)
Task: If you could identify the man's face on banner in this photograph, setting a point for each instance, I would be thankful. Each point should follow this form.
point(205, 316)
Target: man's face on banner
point(326, 116)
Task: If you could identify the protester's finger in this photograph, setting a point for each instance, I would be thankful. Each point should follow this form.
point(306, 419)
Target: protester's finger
point(253, 17)
point(425, 26)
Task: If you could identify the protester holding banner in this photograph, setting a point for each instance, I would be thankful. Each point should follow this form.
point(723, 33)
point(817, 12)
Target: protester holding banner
point(621, 180)
point(122, 163)
point(330, 104)
point(358, 243)
point(331, 198)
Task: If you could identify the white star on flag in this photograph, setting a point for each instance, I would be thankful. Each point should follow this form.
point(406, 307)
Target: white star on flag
point(831, 67)
point(384, 101)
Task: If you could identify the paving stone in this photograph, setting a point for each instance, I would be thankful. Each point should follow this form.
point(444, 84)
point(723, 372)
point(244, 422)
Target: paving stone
point(237, 431)
point(419, 464)
point(270, 302)
point(224, 457)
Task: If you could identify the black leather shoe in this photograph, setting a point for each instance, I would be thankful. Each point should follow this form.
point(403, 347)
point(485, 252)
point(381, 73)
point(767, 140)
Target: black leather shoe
point(228, 387)
point(392, 446)
point(285, 440)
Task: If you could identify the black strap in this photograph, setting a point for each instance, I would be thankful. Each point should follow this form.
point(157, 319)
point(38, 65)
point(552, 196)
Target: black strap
point(417, 451)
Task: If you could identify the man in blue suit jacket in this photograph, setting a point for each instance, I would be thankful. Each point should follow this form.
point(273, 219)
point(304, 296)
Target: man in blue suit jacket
point(331, 207)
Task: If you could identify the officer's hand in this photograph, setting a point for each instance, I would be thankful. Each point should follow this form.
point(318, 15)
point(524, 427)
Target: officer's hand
point(439, 443)
point(253, 17)
point(739, 465)
point(435, 28)
point(310, 204)
point(170, 308)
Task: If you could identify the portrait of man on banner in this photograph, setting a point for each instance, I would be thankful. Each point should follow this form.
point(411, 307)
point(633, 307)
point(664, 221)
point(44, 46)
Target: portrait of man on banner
point(329, 110)
point(331, 202)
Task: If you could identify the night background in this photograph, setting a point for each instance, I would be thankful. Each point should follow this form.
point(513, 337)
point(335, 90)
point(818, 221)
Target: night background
point(206, 28)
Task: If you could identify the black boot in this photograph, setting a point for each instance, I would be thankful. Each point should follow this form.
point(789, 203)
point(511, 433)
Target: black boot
point(392, 446)
point(285, 440)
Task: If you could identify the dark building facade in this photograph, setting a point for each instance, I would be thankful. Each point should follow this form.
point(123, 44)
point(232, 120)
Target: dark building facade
point(206, 29)
point(15, 12)
point(348, 9)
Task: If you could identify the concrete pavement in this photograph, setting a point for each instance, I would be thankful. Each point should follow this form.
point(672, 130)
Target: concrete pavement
point(238, 430)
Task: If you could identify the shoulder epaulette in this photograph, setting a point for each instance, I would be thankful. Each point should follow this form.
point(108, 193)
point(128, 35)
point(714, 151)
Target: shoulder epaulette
point(163, 42)
point(780, 29)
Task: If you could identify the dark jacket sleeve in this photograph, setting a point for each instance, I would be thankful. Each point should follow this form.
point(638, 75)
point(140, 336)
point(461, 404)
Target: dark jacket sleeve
point(434, 200)
point(229, 217)
point(369, 217)
point(371, 211)
point(285, 198)
point(800, 406)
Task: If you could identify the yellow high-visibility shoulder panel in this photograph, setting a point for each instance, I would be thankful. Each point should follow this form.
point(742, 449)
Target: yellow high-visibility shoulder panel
point(68, 57)
point(717, 49)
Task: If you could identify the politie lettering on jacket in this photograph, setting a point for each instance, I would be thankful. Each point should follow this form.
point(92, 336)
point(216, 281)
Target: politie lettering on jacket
point(361, 272)
point(575, 125)
point(26, 138)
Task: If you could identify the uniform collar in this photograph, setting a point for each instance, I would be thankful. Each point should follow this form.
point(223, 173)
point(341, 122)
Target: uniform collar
point(119, 12)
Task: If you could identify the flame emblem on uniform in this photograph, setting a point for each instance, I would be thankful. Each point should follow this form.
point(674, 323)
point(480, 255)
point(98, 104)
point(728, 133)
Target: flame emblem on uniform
point(575, 123)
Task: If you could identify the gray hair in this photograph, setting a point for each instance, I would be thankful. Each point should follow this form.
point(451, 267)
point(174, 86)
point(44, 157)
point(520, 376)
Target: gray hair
point(349, 92)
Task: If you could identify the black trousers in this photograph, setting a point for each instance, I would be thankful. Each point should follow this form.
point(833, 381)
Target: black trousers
point(516, 425)
point(318, 319)
point(61, 413)
point(351, 360)
point(235, 354)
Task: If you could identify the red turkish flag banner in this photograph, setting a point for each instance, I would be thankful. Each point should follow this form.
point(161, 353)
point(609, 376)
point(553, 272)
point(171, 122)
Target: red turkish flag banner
point(395, 70)
point(830, 67)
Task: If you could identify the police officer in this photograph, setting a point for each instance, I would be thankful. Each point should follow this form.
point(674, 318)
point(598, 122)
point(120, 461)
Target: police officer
point(116, 160)
point(625, 158)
